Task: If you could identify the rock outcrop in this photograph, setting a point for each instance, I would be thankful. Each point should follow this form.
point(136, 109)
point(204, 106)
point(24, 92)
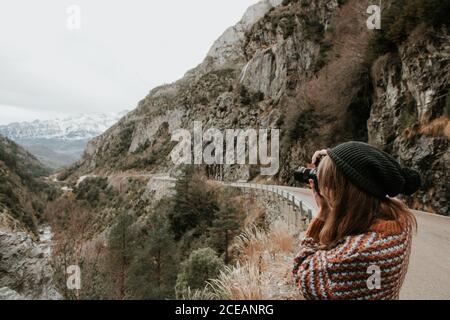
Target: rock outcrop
point(25, 269)
point(407, 115)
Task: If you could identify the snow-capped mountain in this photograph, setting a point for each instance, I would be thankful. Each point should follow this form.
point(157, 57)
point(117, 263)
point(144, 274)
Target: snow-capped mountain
point(60, 142)
point(80, 127)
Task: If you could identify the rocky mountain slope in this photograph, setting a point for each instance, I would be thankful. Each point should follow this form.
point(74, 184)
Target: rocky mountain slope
point(21, 193)
point(59, 142)
point(311, 69)
point(25, 270)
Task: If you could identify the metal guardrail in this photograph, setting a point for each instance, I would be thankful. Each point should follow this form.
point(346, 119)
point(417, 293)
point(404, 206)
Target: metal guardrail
point(300, 207)
point(305, 210)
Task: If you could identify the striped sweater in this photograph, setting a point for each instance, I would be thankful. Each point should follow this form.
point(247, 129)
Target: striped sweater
point(369, 266)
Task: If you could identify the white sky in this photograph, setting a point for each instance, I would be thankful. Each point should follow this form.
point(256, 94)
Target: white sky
point(123, 49)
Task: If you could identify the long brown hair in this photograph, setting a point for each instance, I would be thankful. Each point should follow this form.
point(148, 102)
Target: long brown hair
point(352, 210)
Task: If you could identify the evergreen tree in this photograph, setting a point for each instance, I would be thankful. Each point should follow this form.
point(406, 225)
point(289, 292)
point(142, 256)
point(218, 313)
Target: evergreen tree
point(121, 244)
point(194, 205)
point(153, 271)
point(225, 227)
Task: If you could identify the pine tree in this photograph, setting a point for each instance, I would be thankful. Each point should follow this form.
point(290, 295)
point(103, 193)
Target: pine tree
point(225, 227)
point(194, 205)
point(153, 271)
point(121, 244)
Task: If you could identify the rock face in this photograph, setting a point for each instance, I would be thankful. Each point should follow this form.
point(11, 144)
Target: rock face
point(25, 268)
point(406, 118)
point(227, 50)
point(8, 294)
point(298, 66)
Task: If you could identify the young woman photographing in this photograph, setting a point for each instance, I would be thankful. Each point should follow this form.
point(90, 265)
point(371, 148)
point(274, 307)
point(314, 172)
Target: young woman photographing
point(358, 245)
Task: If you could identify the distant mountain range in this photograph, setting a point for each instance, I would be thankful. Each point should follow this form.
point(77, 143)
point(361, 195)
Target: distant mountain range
point(81, 127)
point(60, 142)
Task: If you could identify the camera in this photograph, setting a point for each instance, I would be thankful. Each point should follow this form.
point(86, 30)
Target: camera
point(303, 175)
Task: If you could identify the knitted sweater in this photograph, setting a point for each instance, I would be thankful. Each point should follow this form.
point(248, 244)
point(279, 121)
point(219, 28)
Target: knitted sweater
point(347, 271)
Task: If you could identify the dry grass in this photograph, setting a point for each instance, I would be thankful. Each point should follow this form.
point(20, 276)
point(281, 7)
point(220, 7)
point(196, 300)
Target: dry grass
point(205, 294)
point(437, 128)
point(280, 238)
point(447, 130)
point(250, 244)
point(255, 214)
point(241, 282)
point(254, 242)
point(263, 270)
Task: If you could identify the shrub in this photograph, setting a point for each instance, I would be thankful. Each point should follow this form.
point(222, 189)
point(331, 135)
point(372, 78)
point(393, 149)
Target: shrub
point(314, 30)
point(248, 98)
point(124, 142)
point(201, 266)
point(245, 96)
point(67, 172)
point(325, 47)
point(91, 188)
point(203, 100)
point(288, 25)
point(287, 2)
point(402, 17)
point(300, 121)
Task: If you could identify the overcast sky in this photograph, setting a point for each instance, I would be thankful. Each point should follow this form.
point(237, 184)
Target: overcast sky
point(123, 49)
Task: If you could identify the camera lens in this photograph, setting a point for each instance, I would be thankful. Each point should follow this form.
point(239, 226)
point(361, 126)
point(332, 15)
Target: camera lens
point(303, 175)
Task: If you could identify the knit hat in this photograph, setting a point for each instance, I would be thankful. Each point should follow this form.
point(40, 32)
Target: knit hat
point(373, 170)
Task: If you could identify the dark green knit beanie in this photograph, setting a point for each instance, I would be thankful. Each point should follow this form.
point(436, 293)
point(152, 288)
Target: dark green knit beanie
point(373, 170)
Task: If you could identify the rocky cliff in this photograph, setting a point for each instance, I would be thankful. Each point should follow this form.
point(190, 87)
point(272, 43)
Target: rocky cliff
point(25, 270)
point(407, 118)
point(304, 67)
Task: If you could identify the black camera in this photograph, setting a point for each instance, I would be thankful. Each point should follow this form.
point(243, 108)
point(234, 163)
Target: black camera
point(303, 175)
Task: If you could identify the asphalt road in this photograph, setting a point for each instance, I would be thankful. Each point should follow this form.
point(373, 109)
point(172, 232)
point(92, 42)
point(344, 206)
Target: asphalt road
point(428, 275)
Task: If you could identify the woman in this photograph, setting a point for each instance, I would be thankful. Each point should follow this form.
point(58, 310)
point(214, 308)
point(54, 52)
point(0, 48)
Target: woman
point(359, 243)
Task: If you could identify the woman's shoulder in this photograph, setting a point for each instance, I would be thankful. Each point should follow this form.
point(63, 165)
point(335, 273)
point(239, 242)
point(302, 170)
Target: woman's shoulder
point(382, 235)
point(368, 248)
point(388, 228)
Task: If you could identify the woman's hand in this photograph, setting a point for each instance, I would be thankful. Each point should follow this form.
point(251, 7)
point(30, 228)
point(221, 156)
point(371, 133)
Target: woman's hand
point(322, 203)
point(317, 155)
